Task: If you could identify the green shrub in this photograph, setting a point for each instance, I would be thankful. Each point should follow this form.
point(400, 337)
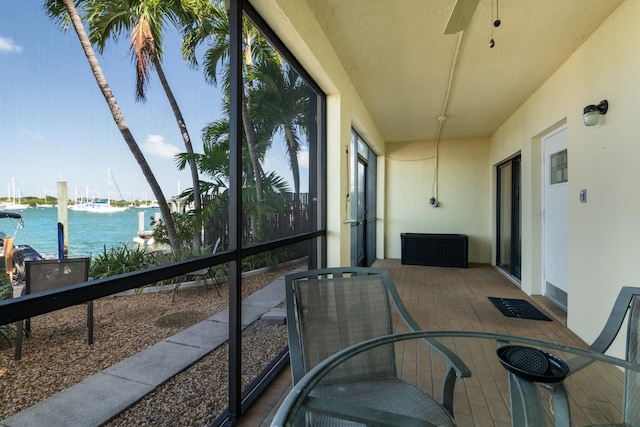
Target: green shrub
point(185, 228)
point(119, 259)
point(270, 259)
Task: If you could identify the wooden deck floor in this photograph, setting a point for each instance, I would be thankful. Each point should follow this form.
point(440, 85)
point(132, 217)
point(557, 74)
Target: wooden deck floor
point(448, 299)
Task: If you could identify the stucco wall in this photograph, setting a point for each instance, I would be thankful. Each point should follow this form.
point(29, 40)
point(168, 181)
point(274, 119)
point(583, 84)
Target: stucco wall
point(604, 232)
point(296, 26)
point(462, 192)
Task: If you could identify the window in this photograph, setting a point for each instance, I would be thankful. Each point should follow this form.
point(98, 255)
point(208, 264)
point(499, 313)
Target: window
point(559, 168)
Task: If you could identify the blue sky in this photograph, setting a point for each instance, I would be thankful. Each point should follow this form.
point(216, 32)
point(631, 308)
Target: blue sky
point(56, 126)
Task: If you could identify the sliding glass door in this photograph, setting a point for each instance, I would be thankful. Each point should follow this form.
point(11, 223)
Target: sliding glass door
point(509, 219)
point(363, 202)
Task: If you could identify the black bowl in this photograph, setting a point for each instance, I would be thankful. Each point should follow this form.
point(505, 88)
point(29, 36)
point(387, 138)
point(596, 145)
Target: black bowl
point(533, 364)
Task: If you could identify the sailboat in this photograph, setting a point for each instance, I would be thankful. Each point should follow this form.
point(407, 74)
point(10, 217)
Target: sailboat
point(10, 204)
point(99, 206)
point(45, 204)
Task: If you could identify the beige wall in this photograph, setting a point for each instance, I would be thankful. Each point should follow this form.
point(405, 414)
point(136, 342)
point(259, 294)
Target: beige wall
point(403, 202)
point(604, 232)
point(462, 193)
point(298, 29)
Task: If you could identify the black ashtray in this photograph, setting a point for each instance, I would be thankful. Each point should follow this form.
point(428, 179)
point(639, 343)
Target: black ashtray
point(533, 364)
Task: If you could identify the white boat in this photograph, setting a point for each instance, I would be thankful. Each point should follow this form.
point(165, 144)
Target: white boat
point(11, 204)
point(46, 204)
point(99, 206)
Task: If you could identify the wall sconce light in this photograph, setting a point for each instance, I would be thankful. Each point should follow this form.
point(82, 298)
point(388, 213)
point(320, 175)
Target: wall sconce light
point(592, 113)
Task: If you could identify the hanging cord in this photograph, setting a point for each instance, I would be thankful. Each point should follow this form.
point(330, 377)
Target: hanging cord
point(442, 117)
point(496, 22)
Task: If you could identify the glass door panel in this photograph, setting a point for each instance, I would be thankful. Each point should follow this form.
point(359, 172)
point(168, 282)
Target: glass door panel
point(508, 253)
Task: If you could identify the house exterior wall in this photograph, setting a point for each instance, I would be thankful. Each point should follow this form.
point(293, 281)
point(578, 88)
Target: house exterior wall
point(462, 192)
point(463, 177)
point(604, 232)
point(296, 26)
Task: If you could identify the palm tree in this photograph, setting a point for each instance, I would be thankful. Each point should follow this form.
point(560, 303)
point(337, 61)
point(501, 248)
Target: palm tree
point(145, 21)
point(215, 30)
point(214, 163)
point(56, 10)
point(280, 102)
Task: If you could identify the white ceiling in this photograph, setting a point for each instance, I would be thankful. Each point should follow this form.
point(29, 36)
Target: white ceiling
point(400, 61)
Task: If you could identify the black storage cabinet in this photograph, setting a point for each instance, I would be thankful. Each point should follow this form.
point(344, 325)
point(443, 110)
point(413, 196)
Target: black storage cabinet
point(439, 250)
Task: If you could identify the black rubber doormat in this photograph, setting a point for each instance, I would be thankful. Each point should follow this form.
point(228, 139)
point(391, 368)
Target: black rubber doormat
point(514, 307)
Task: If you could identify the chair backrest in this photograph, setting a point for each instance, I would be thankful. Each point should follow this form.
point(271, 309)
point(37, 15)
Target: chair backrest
point(631, 410)
point(628, 301)
point(330, 309)
point(47, 274)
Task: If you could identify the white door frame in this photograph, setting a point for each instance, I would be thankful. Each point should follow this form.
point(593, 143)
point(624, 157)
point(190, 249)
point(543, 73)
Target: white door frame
point(555, 214)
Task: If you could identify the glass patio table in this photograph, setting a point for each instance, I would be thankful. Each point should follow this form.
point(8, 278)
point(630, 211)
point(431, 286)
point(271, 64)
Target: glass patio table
point(500, 390)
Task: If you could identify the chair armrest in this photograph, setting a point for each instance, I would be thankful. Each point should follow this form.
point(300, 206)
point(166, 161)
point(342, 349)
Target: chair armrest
point(455, 369)
point(577, 363)
point(453, 361)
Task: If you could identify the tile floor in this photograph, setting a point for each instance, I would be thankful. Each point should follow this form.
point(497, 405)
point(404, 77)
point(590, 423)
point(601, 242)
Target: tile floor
point(456, 299)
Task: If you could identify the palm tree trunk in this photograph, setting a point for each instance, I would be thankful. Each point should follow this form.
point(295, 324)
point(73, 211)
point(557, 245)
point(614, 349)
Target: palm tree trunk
point(121, 123)
point(253, 155)
point(197, 200)
point(292, 148)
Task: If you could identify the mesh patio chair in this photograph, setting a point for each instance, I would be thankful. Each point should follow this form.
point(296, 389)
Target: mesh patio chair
point(203, 274)
point(49, 274)
point(331, 309)
point(628, 301)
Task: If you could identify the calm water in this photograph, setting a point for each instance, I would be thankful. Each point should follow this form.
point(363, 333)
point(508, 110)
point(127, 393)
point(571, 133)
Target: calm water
point(87, 232)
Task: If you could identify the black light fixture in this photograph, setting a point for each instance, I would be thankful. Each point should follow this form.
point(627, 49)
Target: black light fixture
point(592, 113)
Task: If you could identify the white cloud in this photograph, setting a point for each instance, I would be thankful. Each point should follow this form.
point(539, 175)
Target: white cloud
point(303, 158)
point(156, 146)
point(8, 46)
point(33, 136)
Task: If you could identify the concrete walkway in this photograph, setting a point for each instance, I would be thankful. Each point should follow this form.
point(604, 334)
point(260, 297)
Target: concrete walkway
point(99, 398)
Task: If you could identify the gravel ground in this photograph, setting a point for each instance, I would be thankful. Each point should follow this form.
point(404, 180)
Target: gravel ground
point(57, 356)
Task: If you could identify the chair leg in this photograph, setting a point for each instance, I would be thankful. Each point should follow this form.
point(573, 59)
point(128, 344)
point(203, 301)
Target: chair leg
point(90, 322)
point(18, 353)
point(175, 292)
point(215, 282)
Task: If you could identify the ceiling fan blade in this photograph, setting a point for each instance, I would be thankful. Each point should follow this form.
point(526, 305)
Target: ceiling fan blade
point(460, 16)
